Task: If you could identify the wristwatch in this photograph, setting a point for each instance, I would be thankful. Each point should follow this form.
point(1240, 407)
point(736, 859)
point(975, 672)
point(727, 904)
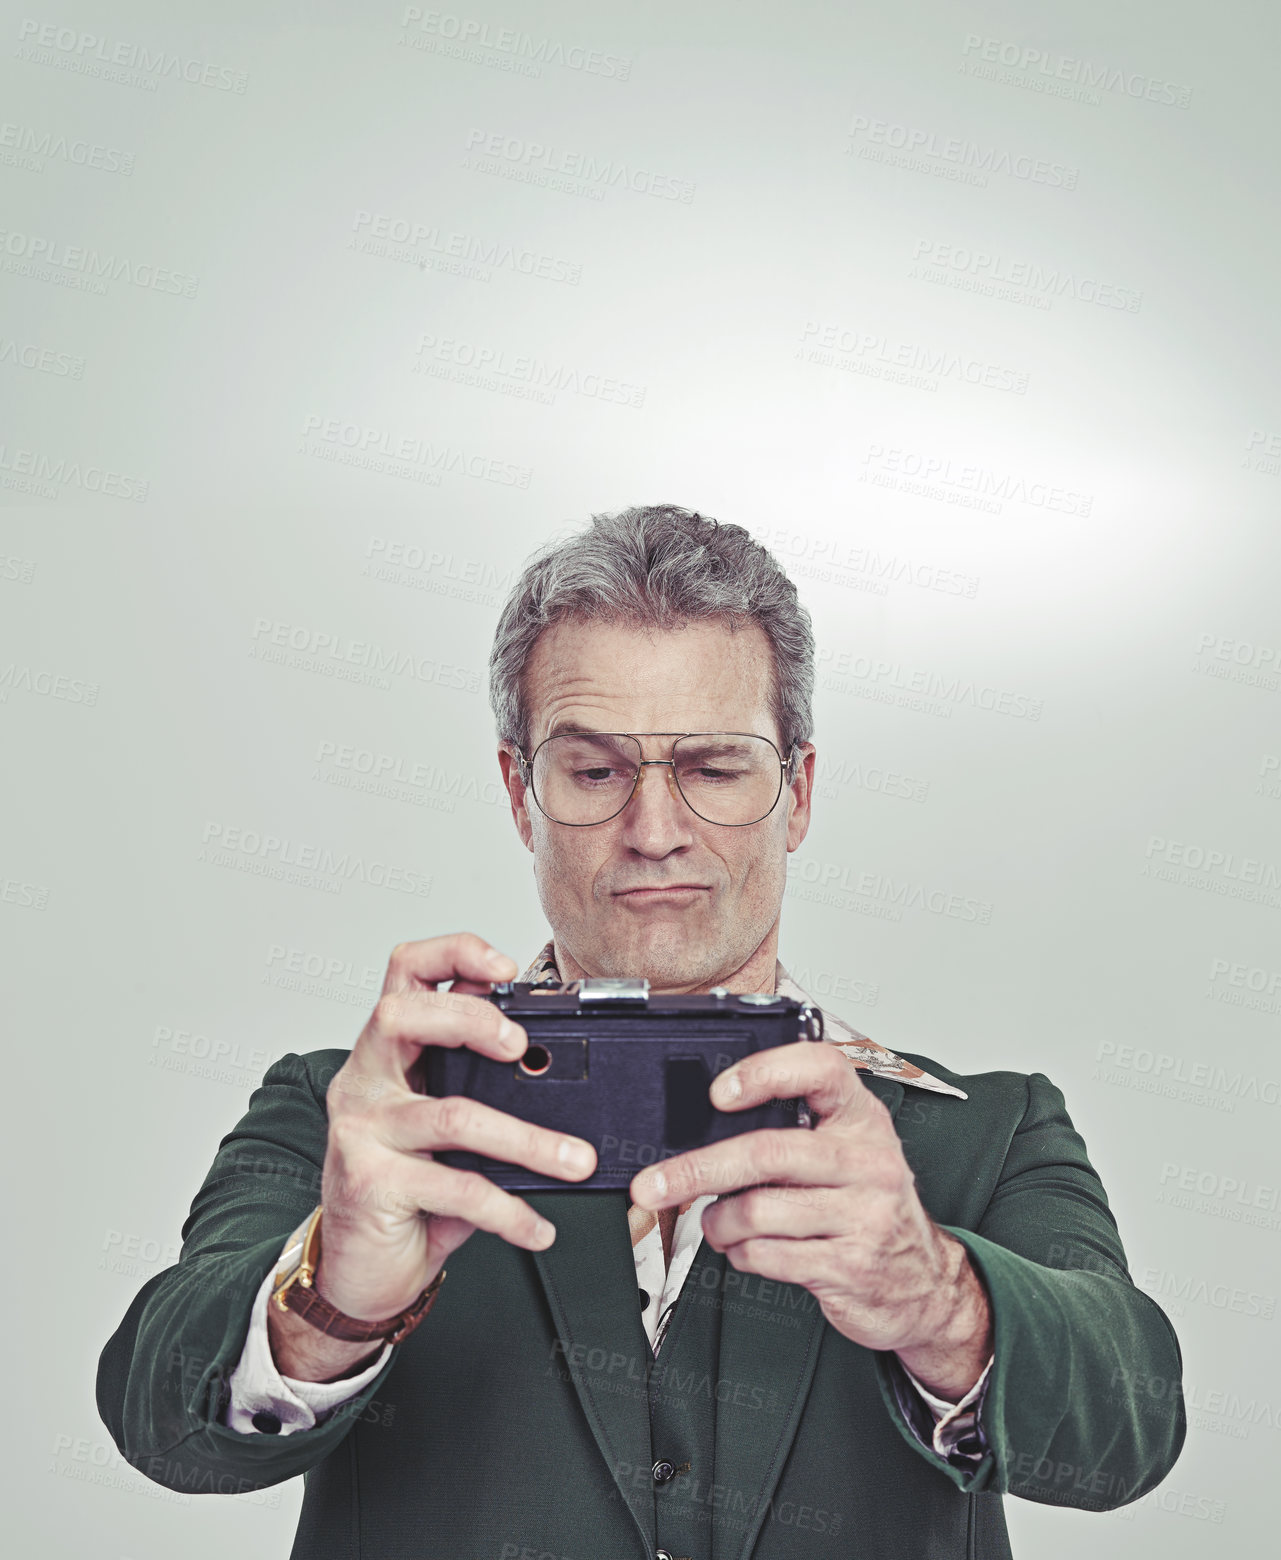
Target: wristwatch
point(295, 1291)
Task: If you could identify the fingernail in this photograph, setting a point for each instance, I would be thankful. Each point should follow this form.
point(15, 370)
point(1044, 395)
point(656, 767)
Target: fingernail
point(574, 1156)
point(511, 1034)
point(498, 962)
point(728, 1086)
point(544, 1232)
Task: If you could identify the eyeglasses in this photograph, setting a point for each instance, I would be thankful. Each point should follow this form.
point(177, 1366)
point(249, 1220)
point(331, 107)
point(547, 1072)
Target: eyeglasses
point(581, 778)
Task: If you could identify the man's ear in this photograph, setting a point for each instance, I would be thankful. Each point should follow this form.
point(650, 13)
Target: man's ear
point(800, 795)
point(517, 792)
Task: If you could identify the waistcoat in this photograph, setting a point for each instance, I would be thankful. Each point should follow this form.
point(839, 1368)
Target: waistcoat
point(683, 1386)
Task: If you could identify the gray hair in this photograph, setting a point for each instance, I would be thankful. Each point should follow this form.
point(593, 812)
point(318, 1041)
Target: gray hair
point(658, 567)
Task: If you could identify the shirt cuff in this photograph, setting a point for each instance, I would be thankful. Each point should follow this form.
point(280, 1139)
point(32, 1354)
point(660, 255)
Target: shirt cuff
point(955, 1434)
point(264, 1401)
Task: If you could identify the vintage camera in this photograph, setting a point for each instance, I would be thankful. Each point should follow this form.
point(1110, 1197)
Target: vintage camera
point(622, 1067)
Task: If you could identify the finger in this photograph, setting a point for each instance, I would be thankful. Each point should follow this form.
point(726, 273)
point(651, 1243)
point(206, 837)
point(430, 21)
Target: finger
point(418, 1124)
point(444, 1191)
point(774, 1155)
point(818, 1073)
point(461, 955)
point(786, 1211)
point(802, 1211)
point(804, 1262)
point(401, 1024)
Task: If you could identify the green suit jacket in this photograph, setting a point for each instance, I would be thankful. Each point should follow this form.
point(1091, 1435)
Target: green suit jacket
point(514, 1423)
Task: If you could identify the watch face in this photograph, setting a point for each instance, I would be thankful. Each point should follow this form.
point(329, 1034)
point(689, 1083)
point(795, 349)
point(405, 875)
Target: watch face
point(291, 1258)
point(290, 1262)
point(295, 1252)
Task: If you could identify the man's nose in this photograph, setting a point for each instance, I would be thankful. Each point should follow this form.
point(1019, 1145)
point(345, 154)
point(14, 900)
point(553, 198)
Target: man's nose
point(657, 819)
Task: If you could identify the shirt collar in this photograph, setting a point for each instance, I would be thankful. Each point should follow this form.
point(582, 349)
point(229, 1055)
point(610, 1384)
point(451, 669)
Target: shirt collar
point(866, 1055)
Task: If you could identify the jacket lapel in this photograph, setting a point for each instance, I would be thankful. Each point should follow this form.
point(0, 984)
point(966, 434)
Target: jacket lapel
point(589, 1276)
point(762, 1348)
point(778, 1360)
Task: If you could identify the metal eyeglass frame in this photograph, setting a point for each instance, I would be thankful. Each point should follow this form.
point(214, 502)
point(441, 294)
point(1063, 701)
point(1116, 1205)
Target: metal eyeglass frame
point(527, 772)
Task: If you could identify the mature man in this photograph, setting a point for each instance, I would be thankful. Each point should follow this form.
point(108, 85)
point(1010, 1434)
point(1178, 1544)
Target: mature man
point(843, 1341)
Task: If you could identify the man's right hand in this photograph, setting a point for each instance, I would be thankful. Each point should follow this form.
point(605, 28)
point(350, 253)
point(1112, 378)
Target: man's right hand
point(393, 1214)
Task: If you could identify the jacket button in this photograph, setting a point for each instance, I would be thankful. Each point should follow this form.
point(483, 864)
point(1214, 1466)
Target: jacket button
point(662, 1554)
point(663, 1470)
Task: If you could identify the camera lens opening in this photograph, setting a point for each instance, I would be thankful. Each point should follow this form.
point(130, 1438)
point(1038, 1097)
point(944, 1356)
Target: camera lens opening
point(536, 1060)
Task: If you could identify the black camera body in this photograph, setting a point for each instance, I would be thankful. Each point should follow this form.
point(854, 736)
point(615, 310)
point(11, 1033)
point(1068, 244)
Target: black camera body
point(626, 1069)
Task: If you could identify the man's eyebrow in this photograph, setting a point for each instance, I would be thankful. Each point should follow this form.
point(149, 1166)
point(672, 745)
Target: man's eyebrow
point(571, 728)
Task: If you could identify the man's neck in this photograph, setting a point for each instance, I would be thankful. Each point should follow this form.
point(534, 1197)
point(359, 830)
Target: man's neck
point(758, 973)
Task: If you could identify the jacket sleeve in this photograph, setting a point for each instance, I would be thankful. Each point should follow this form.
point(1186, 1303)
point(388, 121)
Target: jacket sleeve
point(163, 1378)
point(1069, 1417)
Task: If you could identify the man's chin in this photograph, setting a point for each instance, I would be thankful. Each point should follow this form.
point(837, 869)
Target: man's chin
point(667, 953)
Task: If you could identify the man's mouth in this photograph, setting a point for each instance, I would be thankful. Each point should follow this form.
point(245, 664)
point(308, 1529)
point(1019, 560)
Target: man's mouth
point(677, 893)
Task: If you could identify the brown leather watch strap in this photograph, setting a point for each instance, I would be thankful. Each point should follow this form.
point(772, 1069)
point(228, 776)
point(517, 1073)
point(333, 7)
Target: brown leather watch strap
point(298, 1293)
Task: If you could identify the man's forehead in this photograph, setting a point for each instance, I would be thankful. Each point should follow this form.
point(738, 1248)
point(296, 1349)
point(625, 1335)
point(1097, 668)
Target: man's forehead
point(589, 674)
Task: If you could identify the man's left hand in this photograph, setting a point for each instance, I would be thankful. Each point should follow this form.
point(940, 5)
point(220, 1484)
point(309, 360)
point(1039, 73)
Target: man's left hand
point(836, 1211)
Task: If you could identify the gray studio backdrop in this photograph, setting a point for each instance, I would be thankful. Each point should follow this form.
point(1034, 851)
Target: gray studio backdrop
point(318, 318)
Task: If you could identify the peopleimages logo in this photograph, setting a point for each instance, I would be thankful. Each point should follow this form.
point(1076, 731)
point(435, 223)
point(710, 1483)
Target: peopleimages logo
point(836, 666)
point(1054, 69)
point(1238, 660)
point(26, 147)
point(518, 374)
point(195, 1055)
point(542, 162)
point(1263, 452)
point(1199, 1082)
point(831, 776)
point(30, 896)
point(41, 360)
point(871, 352)
point(443, 32)
point(1251, 987)
point(978, 270)
point(308, 649)
point(835, 880)
point(1233, 1198)
point(1166, 1285)
point(129, 64)
point(1218, 871)
point(436, 573)
point(21, 569)
point(935, 476)
point(16, 678)
point(1226, 1411)
point(94, 1462)
point(380, 450)
point(1251, 977)
point(303, 863)
point(31, 254)
point(463, 254)
point(316, 975)
point(402, 779)
point(881, 138)
point(839, 562)
point(36, 471)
